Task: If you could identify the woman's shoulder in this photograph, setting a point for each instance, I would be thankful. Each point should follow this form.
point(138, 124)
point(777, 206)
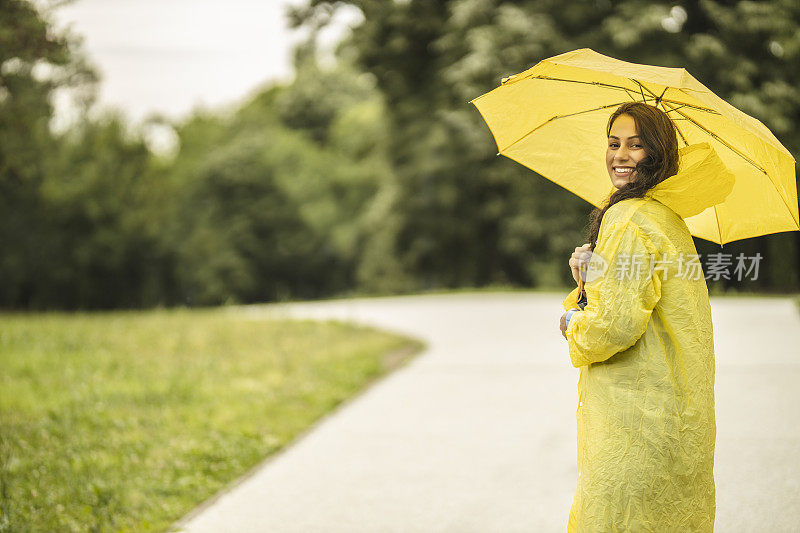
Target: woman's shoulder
point(635, 214)
point(624, 211)
point(647, 213)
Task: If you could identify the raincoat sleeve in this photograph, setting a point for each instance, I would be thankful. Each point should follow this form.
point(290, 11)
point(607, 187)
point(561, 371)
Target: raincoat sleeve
point(620, 300)
point(571, 300)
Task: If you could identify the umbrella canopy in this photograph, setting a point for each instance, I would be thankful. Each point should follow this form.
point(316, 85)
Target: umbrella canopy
point(552, 119)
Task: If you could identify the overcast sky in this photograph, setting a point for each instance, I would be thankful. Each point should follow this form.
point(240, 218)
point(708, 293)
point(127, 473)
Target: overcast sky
point(168, 56)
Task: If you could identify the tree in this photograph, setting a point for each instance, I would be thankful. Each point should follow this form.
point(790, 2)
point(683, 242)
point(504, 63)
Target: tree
point(35, 60)
point(243, 240)
point(96, 243)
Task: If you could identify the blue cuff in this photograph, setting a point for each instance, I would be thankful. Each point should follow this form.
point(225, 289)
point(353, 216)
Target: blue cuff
point(569, 315)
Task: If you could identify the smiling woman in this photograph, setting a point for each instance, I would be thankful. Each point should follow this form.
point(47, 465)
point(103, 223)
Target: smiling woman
point(644, 340)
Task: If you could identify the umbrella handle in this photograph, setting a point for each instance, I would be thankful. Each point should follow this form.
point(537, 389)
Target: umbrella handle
point(580, 289)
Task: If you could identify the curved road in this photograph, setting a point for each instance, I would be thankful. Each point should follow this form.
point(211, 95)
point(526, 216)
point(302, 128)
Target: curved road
point(477, 433)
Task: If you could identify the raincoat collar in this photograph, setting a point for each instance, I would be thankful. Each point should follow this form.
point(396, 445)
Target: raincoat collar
point(702, 181)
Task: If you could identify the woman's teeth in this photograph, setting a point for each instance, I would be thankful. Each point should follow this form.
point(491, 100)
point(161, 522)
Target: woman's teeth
point(620, 170)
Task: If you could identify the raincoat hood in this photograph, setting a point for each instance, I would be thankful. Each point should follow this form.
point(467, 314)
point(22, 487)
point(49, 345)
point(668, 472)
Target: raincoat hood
point(702, 181)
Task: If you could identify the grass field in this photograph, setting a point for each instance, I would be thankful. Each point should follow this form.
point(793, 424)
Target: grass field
point(125, 421)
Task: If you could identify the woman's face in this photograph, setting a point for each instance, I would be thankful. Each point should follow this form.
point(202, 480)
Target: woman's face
point(624, 151)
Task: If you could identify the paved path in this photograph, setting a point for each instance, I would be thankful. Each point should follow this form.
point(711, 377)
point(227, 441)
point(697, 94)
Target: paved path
point(477, 434)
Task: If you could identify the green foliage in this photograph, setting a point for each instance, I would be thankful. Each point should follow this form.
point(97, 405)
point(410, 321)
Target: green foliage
point(35, 60)
point(245, 240)
point(264, 211)
point(97, 246)
point(24, 114)
point(127, 421)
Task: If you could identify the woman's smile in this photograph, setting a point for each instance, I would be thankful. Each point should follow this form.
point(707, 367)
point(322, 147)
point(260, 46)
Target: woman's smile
point(623, 172)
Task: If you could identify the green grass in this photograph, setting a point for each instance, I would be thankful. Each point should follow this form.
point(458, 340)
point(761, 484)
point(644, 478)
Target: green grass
point(125, 421)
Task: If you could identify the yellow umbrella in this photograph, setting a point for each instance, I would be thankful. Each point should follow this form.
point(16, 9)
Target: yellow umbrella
point(552, 117)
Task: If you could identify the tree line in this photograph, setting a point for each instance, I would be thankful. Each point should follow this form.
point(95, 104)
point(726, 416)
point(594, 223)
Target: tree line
point(373, 176)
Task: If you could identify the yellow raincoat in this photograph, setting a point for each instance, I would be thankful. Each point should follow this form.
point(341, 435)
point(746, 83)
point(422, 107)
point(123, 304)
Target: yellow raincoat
point(644, 346)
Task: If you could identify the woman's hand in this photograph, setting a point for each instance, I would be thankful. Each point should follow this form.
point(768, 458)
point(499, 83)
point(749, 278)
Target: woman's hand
point(564, 325)
point(580, 260)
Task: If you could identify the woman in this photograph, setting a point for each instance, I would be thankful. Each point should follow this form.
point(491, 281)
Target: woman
point(644, 339)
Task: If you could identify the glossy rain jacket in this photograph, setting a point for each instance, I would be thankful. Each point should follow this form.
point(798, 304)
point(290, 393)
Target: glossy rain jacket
point(644, 346)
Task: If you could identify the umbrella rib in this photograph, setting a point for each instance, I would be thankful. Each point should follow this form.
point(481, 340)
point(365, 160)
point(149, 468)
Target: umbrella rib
point(682, 104)
point(641, 89)
point(719, 227)
point(672, 108)
point(697, 107)
point(627, 90)
point(660, 100)
point(584, 82)
point(683, 138)
point(723, 142)
point(559, 116)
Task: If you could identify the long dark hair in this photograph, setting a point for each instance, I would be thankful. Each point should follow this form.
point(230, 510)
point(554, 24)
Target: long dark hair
point(660, 141)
